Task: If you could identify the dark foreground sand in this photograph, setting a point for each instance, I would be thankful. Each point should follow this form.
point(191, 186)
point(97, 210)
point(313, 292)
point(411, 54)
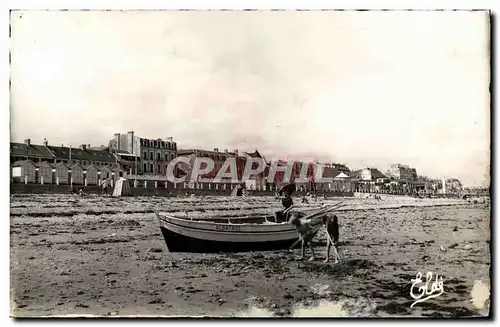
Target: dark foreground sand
point(72, 255)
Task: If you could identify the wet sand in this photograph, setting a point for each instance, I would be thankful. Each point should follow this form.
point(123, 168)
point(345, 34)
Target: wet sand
point(106, 256)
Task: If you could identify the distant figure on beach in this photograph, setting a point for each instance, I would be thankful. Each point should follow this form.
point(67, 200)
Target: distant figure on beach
point(104, 186)
point(304, 199)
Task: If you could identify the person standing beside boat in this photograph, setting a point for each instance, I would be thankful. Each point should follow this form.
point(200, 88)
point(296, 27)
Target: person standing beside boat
point(286, 202)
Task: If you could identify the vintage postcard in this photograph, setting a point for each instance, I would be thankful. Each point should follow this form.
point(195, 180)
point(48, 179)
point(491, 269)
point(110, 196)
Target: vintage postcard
point(257, 163)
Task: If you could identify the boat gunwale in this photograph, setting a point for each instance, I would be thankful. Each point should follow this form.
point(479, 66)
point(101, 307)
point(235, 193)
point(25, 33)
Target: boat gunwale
point(207, 226)
point(208, 220)
point(233, 232)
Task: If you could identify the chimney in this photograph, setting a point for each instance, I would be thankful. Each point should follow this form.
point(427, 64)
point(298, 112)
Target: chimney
point(216, 149)
point(117, 141)
point(130, 147)
point(45, 142)
point(236, 152)
point(28, 142)
point(84, 147)
point(88, 146)
point(225, 150)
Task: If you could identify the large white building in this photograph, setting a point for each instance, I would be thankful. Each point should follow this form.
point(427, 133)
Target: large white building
point(144, 156)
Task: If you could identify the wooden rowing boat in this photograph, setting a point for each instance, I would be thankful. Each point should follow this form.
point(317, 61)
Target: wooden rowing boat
point(251, 234)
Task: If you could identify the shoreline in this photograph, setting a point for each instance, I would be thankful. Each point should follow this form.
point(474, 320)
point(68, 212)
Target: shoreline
point(216, 204)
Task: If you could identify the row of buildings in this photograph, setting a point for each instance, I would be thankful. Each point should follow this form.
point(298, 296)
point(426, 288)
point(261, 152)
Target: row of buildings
point(402, 179)
point(144, 159)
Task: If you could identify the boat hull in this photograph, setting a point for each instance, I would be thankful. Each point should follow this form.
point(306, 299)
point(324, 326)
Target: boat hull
point(182, 243)
point(183, 235)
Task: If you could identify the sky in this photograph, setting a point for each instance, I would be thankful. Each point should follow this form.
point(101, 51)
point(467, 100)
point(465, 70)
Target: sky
point(366, 89)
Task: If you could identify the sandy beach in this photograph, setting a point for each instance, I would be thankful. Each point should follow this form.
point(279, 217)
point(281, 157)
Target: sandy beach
point(106, 256)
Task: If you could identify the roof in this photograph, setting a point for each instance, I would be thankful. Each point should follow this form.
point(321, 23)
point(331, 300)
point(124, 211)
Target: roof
point(86, 167)
point(22, 162)
point(43, 163)
point(122, 152)
point(376, 173)
point(22, 149)
point(191, 151)
point(100, 148)
point(117, 167)
point(55, 165)
point(79, 154)
point(255, 154)
point(341, 175)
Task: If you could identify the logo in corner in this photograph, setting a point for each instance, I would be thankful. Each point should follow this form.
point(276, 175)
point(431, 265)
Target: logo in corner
point(430, 289)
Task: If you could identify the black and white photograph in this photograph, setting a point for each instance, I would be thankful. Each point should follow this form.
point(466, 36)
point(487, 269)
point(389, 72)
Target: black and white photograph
point(250, 163)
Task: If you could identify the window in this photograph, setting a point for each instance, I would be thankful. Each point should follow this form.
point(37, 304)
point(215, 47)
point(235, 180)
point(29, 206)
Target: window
point(166, 156)
point(151, 167)
point(151, 155)
point(158, 156)
point(145, 156)
point(159, 169)
point(145, 169)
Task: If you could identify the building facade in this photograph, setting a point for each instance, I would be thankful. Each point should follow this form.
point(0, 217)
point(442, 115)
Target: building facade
point(56, 154)
point(399, 171)
point(370, 180)
point(59, 164)
point(218, 157)
point(141, 155)
point(256, 182)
